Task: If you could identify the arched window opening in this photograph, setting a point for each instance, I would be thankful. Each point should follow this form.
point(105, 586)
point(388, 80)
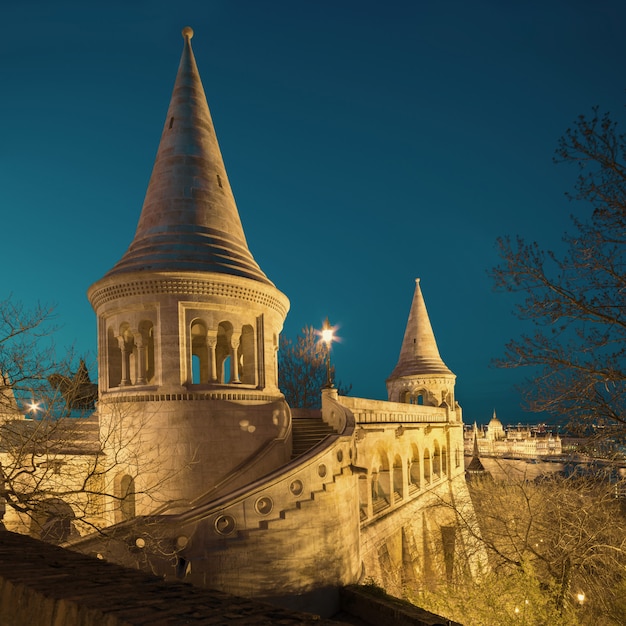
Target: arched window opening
point(376, 494)
point(457, 457)
point(381, 483)
point(195, 369)
point(380, 500)
point(420, 399)
point(127, 498)
point(363, 500)
point(449, 398)
point(448, 536)
point(414, 469)
point(436, 461)
point(227, 370)
point(427, 466)
point(223, 351)
point(146, 330)
point(114, 358)
point(247, 363)
point(199, 353)
point(398, 480)
point(444, 461)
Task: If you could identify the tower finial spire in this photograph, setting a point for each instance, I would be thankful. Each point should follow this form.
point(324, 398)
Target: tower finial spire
point(189, 220)
point(421, 376)
point(419, 353)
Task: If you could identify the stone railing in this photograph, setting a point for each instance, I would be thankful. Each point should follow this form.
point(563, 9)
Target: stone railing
point(379, 411)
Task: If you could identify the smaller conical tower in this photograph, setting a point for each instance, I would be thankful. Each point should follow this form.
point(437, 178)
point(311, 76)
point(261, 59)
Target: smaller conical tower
point(475, 469)
point(420, 376)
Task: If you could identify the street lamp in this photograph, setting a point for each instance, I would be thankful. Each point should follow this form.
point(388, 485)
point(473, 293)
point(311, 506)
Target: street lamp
point(34, 407)
point(327, 337)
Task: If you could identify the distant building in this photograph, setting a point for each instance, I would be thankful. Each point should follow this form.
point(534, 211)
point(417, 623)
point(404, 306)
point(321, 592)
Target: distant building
point(524, 442)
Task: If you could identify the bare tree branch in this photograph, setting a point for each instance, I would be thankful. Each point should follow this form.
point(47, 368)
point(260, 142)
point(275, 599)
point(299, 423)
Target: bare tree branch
point(302, 370)
point(577, 301)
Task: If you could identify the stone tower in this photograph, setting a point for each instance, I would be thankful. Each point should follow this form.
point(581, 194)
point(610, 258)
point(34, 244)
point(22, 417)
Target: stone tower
point(188, 328)
point(198, 438)
point(421, 376)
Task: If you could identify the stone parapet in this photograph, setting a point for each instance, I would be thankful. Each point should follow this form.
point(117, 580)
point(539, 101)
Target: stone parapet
point(380, 411)
point(376, 607)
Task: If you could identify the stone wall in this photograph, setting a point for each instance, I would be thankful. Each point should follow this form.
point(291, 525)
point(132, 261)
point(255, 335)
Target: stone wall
point(44, 585)
point(420, 544)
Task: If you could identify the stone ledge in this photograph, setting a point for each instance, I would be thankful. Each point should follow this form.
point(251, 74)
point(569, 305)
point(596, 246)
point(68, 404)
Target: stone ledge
point(374, 606)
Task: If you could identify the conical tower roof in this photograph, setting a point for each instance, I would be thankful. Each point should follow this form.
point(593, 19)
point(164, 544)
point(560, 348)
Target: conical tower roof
point(189, 220)
point(419, 353)
point(476, 467)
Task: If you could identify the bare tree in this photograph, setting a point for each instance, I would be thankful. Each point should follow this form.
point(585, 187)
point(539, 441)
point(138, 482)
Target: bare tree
point(514, 599)
point(302, 369)
point(577, 300)
point(63, 471)
point(67, 476)
point(27, 355)
point(556, 548)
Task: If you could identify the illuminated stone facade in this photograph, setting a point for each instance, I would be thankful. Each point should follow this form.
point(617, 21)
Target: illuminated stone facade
point(513, 442)
point(208, 487)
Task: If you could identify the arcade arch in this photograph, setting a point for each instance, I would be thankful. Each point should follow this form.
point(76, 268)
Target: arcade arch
point(130, 353)
point(436, 460)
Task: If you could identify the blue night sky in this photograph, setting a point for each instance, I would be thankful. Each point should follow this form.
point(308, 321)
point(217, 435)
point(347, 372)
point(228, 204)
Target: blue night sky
point(367, 144)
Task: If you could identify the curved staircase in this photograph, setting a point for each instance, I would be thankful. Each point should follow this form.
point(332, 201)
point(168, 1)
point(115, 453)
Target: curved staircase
point(307, 431)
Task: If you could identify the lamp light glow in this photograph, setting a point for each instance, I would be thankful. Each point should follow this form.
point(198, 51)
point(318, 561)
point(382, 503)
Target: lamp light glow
point(327, 337)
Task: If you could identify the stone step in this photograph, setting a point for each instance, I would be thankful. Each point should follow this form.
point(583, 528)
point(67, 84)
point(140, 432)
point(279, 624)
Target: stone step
point(308, 432)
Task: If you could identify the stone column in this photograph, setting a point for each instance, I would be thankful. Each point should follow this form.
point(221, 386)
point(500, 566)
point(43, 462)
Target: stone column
point(276, 347)
point(235, 342)
point(125, 381)
point(211, 342)
point(374, 486)
point(140, 343)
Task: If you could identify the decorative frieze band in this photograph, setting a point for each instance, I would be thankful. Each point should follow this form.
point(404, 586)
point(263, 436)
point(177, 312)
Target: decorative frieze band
point(177, 397)
point(187, 286)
